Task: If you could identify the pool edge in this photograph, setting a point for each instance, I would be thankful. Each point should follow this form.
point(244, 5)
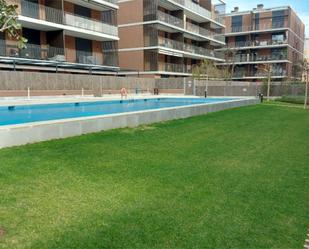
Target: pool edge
point(15, 135)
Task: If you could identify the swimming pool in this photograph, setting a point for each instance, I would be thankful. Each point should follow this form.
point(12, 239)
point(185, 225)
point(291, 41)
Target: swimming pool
point(12, 115)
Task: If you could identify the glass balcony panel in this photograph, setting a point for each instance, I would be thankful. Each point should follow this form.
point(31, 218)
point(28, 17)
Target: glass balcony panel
point(54, 15)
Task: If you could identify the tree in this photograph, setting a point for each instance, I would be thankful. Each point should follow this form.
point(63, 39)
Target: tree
point(303, 67)
point(9, 22)
point(208, 69)
point(267, 68)
point(228, 70)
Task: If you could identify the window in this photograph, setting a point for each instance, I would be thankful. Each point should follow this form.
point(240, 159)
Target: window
point(240, 41)
point(278, 38)
point(278, 54)
point(257, 21)
point(278, 19)
point(82, 11)
point(236, 23)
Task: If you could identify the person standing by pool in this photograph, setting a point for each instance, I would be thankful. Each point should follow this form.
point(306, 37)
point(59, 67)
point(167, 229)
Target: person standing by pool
point(124, 93)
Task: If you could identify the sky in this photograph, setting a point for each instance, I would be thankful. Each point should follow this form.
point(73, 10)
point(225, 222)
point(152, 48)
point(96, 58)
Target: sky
point(300, 6)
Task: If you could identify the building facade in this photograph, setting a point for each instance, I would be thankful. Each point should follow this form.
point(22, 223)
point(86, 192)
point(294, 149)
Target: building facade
point(166, 38)
point(262, 41)
point(64, 35)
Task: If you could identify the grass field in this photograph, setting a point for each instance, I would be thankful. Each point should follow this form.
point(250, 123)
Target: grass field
point(233, 179)
point(292, 99)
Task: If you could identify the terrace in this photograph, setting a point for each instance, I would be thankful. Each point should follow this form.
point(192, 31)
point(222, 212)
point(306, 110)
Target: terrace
point(265, 27)
point(191, 30)
point(57, 19)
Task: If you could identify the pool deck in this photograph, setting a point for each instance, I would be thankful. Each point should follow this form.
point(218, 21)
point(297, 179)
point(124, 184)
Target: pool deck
point(21, 134)
point(72, 99)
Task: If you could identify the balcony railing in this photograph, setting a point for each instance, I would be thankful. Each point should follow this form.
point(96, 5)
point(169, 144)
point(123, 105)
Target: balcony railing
point(202, 51)
point(58, 16)
point(193, 49)
point(85, 57)
point(90, 24)
point(168, 43)
point(243, 74)
point(267, 26)
point(33, 51)
point(112, 1)
point(204, 32)
point(196, 8)
point(171, 67)
point(175, 21)
point(172, 20)
point(258, 58)
point(50, 53)
point(256, 43)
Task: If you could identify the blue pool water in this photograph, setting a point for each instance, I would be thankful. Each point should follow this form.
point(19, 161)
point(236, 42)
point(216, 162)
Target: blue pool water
point(10, 115)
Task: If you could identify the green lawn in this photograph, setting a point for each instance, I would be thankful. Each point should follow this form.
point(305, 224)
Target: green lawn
point(300, 100)
point(233, 179)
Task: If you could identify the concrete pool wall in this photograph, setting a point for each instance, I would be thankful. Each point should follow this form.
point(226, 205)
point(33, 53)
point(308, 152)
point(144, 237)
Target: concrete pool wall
point(14, 135)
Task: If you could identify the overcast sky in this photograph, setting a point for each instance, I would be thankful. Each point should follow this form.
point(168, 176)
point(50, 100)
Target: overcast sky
point(300, 6)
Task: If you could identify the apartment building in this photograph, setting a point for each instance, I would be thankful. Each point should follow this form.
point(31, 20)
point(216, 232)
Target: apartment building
point(166, 38)
point(64, 35)
point(262, 38)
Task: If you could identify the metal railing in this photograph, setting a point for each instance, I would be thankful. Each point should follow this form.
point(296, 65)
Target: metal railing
point(199, 50)
point(244, 74)
point(172, 67)
point(175, 21)
point(54, 15)
point(204, 32)
point(172, 20)
point(85, 57)
point(32, 51)
point(256, 43)
point(89, 24)
point(196, 8)
point(256, 58)
point(50, 53)
point(111, 1)
point(266, 26)
point(168, 43)
point(177, 45)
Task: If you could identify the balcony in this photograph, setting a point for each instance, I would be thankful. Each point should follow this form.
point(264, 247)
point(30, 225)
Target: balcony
point(189, 48)
point(89, 24)
point(256, 44)
point(172, 67)
point(172, 20)
point(267, 26)
point(85, 57)
point(249, 58)
point(204, 32)
point(58, 16)
point(45, 54)
point(274, 74)
point(179, 23)
point(202, 51)
point(199, 10)
point(172, 44)
point(32, 52)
